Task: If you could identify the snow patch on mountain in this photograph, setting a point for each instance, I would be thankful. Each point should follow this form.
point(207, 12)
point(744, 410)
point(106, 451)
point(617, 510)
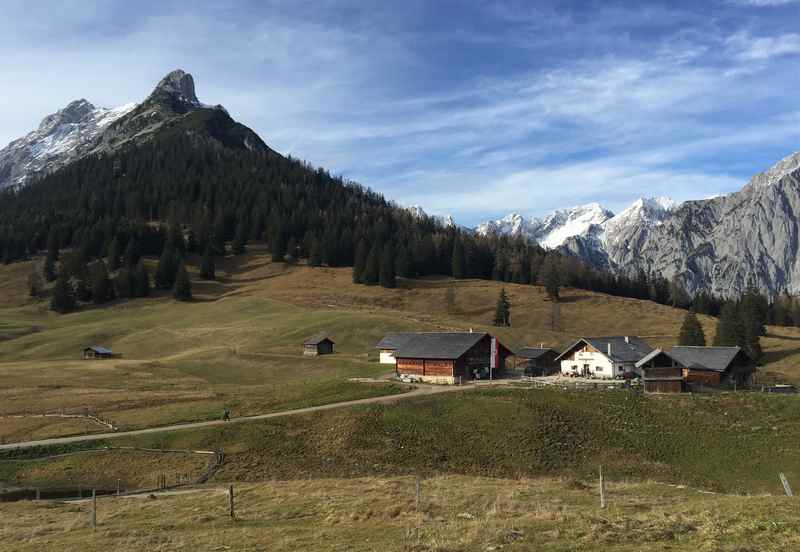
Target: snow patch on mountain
point(644, 212)
point(552, 230)
point(419, 213)
point(60, 139)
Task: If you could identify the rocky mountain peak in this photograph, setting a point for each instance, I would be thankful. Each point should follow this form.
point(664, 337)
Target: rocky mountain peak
point(75, 112)
point(785, 166)
point(177, 86)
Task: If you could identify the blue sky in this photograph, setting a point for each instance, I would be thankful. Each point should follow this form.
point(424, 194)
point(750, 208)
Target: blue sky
point(475, 109)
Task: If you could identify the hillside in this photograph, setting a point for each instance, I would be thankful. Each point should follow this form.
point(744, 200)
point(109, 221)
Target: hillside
point(237, 344)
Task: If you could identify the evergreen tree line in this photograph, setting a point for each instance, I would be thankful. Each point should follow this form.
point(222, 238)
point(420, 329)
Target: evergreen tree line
point(181, 195)
point(741, 323)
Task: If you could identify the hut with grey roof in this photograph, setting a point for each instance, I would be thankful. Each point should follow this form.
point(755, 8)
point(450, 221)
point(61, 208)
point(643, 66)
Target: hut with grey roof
point(96, 352)
point(319, 344)
point(450, 357)
point(536, 361)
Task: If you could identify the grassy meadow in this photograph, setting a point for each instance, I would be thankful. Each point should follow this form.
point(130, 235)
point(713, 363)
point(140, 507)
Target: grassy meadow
point(457, 513)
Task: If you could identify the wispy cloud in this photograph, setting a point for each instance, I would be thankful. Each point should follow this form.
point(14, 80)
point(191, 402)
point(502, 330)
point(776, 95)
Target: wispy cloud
point(748, 48)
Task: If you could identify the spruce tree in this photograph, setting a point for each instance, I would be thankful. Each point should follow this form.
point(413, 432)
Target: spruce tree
point(183, 286)
point(208, 269)
point(691, 331)
point(132, 253)
point(49, 268)
point(142, 280)
point(372, 268)
point(167, 268)
point(113, 254)
point(502, 313)
point(175, 239)
point(35, 283)
point(458, 263)
point(124, 283)
point(219, 233)
point(314, 258)
point(551, 275)
point(404, 266)
point(387, 275)
point(82, 284)
point(292, 251)
point(63, 299)
point(101, 285)
point(730, 332)
point(239, 244)
point(360, 262)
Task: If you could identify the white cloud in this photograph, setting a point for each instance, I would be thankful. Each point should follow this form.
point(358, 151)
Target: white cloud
point(748, 48)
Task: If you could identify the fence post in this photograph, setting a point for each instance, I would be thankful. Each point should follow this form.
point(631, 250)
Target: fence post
point(230, 502)
point(38, 494)
point(119, 485)
point(786, 487)
point(602, 489)
point(94, 510)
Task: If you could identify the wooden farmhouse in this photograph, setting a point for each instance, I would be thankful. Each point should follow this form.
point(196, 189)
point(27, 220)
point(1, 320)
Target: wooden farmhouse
point(714, 365)
point(661, 373)
point(97, 352)
point(389, 345)
point(451, 357)
point(537, 361)
point(319, 344)
point(603, 357)
point(692, 368)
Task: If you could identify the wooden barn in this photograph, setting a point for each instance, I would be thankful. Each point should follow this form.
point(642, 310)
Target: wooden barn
point(661, 373)
point(389, 345)
point(97, 352)
point(714, 366)
point(537, 361)
point(451, 357)
point(319, 344)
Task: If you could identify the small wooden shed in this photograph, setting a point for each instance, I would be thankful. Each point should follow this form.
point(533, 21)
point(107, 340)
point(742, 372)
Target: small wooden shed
point(537, 361)
point(319, 344)
point(661, 373)
point(97, 352)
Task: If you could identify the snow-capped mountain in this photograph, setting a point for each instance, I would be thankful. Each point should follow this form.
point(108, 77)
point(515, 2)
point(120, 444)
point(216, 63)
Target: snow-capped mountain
point(82, 129)
point(418, 212)
point(721, 244)
point(61, 138)
point(552, 230)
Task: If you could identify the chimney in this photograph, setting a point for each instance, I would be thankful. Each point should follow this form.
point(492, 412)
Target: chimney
point(609, 348)
point(470, 330)
point(627, 339)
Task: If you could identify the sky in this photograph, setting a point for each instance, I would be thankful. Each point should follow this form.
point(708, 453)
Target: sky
point(474, 109)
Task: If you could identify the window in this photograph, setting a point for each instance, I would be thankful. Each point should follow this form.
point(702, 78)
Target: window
point(598, 368)
point(575, 367)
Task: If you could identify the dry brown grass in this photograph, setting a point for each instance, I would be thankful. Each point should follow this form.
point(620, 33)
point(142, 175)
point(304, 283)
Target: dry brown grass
point(458, 513)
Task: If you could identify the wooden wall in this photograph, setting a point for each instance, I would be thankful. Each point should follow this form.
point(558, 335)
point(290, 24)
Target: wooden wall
point(425, 367)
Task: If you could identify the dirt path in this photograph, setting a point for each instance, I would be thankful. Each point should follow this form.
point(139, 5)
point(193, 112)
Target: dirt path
point(420, 390)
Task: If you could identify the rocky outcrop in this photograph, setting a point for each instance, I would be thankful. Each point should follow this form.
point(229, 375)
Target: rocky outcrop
point(720, 245)
point(80, 129)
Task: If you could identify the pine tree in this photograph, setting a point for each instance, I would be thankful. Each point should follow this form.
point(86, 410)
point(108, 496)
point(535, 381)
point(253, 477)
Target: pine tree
point(291, 251)
point(278, 243)
point(208, 268)
point(387, 275)
point(502, 313)
point(63, 299)
point(314, 258)
point(677, 295)
point(372, 268)
point(82, 285)
point(175, 239)
point(113, 254)
point(167, 268)
point(142, 280)
point(183, 286)
point(458, 263)
point(551, 275)
point(132, 253)
point(730, 332)
point(219, 233)
point(360, 262)
point(404, 266)
point(101, 285)
point(35, 283)
point(691, 331)
point(239, 244)
point(124, 283)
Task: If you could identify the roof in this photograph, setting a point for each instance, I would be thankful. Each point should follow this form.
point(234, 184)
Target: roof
point(317, 339)
point(533, 352)
point(100, 350)
point(623, 348)
point(395, 340)
point(717, 359)
point(651, 355)
point(440, 345)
